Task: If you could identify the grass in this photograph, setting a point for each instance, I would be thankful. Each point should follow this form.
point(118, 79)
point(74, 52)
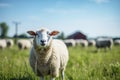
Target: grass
point(84, 64)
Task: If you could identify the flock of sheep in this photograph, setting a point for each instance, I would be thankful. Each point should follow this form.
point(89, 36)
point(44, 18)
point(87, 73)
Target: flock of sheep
point(21, 43)
point(98, 43)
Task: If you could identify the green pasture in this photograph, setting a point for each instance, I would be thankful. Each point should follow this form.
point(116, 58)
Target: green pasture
point(84, 64)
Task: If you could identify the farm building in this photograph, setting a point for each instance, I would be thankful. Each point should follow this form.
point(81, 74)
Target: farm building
point(77, 35)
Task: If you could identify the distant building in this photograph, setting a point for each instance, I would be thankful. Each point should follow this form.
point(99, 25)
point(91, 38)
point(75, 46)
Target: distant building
point(77, 35)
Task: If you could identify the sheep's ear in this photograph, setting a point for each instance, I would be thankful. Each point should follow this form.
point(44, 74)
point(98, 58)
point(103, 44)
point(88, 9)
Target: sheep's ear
point(32, 33)
point(53, 33)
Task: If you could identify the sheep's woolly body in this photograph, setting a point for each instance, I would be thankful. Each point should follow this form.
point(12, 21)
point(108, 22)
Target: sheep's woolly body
point(49, 60)
point(24, 44)
point(3, 43)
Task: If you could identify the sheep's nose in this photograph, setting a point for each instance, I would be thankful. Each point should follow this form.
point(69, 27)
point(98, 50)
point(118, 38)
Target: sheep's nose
point(43, 41)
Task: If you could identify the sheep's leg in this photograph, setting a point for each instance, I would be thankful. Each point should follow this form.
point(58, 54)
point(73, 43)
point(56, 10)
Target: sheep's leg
point(54, 73)
point(41, 78)
point(62, 73)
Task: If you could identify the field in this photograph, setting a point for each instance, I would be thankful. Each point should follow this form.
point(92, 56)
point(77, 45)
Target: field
point(84, 64)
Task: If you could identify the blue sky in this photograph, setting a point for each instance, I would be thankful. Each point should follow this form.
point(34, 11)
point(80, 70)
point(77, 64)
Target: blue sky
point(92, 17)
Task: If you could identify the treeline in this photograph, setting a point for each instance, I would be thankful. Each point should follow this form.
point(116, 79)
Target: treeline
point(4, 28)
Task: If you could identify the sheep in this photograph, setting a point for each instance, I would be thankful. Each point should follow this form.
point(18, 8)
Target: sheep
point(48, 56)
point(3, 43)
point(9, 42)
point(70, 42)
point(24, 44)
point(104, 43)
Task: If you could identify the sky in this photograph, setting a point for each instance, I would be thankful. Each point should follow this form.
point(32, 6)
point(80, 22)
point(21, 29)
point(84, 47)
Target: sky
point(92, 17)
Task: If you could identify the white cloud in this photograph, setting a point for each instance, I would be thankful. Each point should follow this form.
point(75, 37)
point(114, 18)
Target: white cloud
point(4, 5)
point(101, 1)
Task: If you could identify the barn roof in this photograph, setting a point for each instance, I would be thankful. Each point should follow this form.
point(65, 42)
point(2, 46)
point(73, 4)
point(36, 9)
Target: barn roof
point(77, 35)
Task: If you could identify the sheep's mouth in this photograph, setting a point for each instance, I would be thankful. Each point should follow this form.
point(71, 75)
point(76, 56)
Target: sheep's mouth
point(43, 44)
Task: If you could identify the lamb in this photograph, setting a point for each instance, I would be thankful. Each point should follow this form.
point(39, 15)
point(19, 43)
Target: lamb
point(3, 43)
point(48, 56)
point(24, 44)
point(104, 43)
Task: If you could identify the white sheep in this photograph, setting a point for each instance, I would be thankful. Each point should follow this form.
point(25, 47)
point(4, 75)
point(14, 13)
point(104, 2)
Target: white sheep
point(48, 56)
point(24, 44)
point(9, 42)
point(3, 43)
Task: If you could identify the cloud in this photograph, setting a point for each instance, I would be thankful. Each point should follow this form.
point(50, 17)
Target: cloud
point(4, 5)
point(100, 1)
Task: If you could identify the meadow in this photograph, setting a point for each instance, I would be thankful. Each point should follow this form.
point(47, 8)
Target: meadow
point(84, 64)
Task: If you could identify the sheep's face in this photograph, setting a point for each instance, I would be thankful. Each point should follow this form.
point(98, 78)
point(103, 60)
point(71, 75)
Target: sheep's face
point(42, 37)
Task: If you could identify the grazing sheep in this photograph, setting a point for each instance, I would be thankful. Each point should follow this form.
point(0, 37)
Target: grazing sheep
point(104, 43)
point(3, 43)
point(24, 44)
point(9, 42)
point(70, 42)
point(48, 56)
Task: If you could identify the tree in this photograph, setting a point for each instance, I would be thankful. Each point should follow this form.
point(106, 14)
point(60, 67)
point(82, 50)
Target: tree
point(23, 35)
point(4, 29)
